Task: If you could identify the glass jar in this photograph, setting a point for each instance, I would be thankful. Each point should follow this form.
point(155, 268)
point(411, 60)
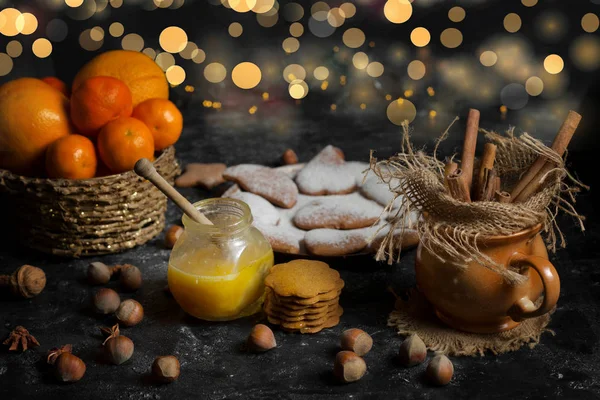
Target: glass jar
point(217, 273)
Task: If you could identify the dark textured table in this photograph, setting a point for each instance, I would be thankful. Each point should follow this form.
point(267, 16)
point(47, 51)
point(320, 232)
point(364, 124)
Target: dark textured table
point(565, 364)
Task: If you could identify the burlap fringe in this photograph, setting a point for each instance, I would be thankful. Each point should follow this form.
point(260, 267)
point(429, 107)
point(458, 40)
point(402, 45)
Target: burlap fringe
point(455, 227)
point(416, 315)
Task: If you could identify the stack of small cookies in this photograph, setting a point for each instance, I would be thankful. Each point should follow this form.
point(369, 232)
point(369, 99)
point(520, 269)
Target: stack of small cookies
point(303, 296)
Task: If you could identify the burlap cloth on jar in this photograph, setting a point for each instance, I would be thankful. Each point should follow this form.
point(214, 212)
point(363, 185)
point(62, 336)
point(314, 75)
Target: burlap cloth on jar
point(415, 315)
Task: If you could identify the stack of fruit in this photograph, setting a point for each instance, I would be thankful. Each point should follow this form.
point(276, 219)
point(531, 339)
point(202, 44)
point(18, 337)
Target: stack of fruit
point(118, 112)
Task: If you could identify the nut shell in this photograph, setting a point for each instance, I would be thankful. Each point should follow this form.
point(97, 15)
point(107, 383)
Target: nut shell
point(106, 301)
point(172, 235)
point(98, 273)
point(261, 339)
point(356, 340)
point(131, 277)
point(118, 349)
point(27, 281)
point(349, 367)
point(440, 370)
point(412, 351)
point(166, 369)
point(130, 313)
point(69, 368)
point(289, 157)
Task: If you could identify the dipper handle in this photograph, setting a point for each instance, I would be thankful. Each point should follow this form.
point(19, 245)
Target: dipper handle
point(144, 168)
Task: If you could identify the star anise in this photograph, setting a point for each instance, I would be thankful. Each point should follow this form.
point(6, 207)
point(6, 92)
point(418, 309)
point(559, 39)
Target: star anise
point(20, 336)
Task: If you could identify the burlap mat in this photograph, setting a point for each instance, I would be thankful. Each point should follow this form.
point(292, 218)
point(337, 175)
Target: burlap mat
point(415, 315)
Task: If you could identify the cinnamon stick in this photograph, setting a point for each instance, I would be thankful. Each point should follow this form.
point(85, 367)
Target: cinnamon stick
point(457, 186)
point(450, 167)
point(497, 184)
point(489, 186)
point(531, 178)
point(487, 162)
point(469, 146)
point(502, 197)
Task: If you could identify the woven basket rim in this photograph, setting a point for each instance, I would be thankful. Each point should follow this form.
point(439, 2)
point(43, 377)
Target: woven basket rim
point(73, 182)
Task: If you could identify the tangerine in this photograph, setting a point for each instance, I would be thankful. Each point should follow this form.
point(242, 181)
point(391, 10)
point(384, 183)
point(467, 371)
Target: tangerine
point(71, 157)
point(124, 141)
point(163, 119)
point(57, 84)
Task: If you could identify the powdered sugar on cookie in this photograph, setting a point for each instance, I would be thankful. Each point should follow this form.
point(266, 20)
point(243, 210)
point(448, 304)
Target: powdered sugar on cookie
point(326, 174)
point(338, 212)
point(380, 192)
point(263, 212)
point(273, 185)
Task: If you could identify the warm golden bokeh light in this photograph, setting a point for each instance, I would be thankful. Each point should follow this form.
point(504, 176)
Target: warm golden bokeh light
point(175, 75)
point(263, 6)
point(73, 3)
point(512, 22)
point(173, 39)
point(42, 48)
point(298, 89)
point(397, 11)
point(97, 34)
point(267, 20)
point(246, 75)
point(116, 29)
point(420, 37)
point(235, 29)
point(14, 48)
point(215, 72)
point(534, 86)
point(553, 64)
point(292, 12)
point(290, 45)
point(87, 42)
point(590, 22)
point(416, 70)
point(188, 52)
point(150, 52)
point(354, 37)
point(456, 14)
point(401, 110)
point(488, 58)
point(349, 9)
point(360, 60)
point(296, 29)
point(165, 60)
point(198, 56)
point(375, 69)
point(12, 24)
point(133, 42)
point(529, 3)
point(242, 6)
point(585, 52)
point(451, 38)
point(321, 73)
point(294, 72)
point(318, 7)
point(6, 64)
point(28, 23)
point(336, 17)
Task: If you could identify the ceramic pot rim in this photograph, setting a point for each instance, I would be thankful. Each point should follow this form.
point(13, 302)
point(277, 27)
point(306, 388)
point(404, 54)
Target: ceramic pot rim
point(512, 237)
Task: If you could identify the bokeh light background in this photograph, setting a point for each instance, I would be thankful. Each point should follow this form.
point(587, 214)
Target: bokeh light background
point(524, 62)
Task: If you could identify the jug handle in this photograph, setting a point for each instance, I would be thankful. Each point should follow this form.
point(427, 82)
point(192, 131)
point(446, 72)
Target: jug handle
point(524, 307)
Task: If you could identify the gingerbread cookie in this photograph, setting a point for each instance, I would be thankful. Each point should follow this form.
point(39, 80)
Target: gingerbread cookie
point(326, 174)
point(338, 212)
point(333, 243)
point(273, 308)
point(297, 304)
point(330, 323)
point(380, 192)
point(205, 175)
point(305, 279)
point(263, 212)
point(359, 170)
point(307, 323)
point(273, 185)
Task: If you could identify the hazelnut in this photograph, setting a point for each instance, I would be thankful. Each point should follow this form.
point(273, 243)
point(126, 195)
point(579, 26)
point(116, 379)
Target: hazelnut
point(27, 281)
point(440, 370)
point(349, 367)
point(67, 367)
point(130, 312)
point(118, 349)
point(99, 273)
point(289, 157)
point(106, 301)
point(412, 351)
point(261, 339)
point(172, 235)
point(165, 369)
point(131, 277)
point(356, 340)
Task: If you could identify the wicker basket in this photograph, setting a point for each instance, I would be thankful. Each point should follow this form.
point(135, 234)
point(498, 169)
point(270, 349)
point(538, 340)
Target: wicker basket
point(86, 217)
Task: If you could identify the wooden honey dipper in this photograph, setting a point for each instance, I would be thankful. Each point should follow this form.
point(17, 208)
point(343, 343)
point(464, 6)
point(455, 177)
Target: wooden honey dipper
point(144, 168)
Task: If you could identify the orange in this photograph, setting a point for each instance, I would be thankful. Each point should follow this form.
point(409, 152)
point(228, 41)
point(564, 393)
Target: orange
point(97, 101)
point(32, 115)
point(124, 141)
point(163, 119)
point(71, 157)
point(57, 84)
point(140, 73)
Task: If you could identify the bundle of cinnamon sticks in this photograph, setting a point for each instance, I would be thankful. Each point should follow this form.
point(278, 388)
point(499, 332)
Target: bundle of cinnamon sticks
point(464, 185)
